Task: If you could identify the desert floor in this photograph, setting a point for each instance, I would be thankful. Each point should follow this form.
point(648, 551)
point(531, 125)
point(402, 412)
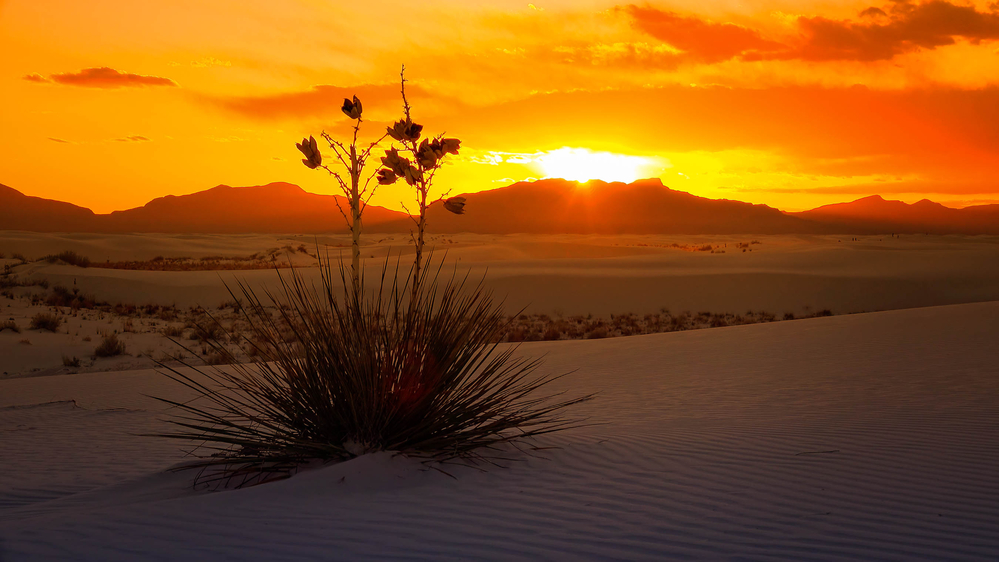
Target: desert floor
point(577, 274)
point(855, 437)
point(851, 437)
point(556, 276)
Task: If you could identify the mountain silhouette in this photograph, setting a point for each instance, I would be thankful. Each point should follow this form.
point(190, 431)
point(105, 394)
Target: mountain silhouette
point(24, 212)
point(272, 208)
point(551, 206)
point(557, 206)
point(874, 214)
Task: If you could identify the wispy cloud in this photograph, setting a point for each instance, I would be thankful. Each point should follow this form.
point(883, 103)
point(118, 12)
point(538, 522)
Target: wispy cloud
point(700, 39)
point(133, 138)
point(205, 63)
point(103, 77)
point(324, 101)
point(879, 33)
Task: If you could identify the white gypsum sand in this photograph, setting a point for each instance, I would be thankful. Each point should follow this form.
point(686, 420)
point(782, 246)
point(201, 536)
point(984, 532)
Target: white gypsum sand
point(859, 437)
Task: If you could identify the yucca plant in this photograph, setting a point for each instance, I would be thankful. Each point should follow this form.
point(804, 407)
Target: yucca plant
point(427, 158)
point(341, 370)
point(352, 159)
point(333, 377)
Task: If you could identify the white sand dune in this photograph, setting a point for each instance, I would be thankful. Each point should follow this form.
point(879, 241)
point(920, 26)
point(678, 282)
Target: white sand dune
point(862, 437)
point(580, 274)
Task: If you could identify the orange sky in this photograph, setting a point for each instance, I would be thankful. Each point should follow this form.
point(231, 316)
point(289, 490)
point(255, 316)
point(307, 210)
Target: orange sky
point(109, 103)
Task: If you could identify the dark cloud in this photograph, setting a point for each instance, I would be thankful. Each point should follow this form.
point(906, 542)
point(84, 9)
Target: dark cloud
point(700, 39)
point(902, 28)
point(106, 77)
point(325, 101)
point(873, 12)
point(881, 33)
point(34, 77)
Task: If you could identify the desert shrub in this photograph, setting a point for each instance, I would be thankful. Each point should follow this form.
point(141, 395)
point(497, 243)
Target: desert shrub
point(552, 333)
point(110, 346)
point(69, 257)
point(70, 361)
point(173, 331)
point(45, 321)
point(367, 372)
point(9, 324)
point(19, 257)
point(206, 328)
point(60, 296)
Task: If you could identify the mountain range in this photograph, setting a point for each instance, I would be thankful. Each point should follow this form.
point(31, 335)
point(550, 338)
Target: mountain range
point(550, 206)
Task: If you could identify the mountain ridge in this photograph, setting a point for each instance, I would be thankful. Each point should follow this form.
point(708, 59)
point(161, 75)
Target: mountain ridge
point(549, 206)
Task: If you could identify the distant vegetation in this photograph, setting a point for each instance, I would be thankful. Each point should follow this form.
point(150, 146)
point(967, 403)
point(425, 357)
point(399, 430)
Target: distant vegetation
point(110, 346)
point(69, 258)
point(542, 327)
point(45, 321)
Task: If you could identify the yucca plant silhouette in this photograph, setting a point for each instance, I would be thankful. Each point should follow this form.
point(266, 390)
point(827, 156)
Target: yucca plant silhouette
point(418, 170)
point(339, 369)
point(352, 161)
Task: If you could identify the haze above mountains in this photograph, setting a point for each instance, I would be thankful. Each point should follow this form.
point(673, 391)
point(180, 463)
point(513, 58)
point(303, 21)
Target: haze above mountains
point(549, 206)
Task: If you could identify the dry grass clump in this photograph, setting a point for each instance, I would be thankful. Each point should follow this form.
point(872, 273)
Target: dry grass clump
point(11, 325)
point(363, 373)
point(538, 327)
point(68, 257)
point(9, 280)
point(70, 361)
point(110, 346)
point(173, 331)
point(273, 258)
point(61, 296)
point(45, 321)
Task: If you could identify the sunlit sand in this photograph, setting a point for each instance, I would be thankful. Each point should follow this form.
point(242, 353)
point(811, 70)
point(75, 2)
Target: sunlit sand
point(852, 437)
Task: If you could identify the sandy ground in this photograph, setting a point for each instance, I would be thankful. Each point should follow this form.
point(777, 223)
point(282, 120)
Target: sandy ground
point(857, 437)
point(554, 275)
point(567, 274)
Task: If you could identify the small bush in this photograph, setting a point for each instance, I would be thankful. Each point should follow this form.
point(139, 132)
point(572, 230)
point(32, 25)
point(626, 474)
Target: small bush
point(46, 321)
point(597, 333)
point(173, 331)
point(10, 325)
point(70, 361)
point(70, 258)
point(110, 346)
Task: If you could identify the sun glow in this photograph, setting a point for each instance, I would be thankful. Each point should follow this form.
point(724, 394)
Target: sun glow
point(581, 164)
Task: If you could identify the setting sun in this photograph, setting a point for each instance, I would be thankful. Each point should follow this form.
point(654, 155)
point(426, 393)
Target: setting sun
point(581, 164)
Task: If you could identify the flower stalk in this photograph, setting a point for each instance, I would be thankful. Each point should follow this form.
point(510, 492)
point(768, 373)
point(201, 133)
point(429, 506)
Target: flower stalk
point(352, 162)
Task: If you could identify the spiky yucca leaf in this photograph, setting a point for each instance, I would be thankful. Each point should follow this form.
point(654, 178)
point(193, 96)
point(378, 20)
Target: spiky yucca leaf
point(336, 376)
